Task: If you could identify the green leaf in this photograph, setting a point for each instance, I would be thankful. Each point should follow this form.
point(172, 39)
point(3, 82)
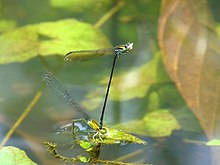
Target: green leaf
point(6, 25)
point(14, 156)
point(116, 136)
point(49, 38)
point(83, 159)
point(214, 142)
point(85, 144)
point(158, 123)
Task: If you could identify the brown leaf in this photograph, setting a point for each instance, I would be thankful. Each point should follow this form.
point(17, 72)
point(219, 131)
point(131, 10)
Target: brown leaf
point(189, 46)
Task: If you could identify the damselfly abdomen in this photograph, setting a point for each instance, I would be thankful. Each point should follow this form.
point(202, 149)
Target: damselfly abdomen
point(82, 55)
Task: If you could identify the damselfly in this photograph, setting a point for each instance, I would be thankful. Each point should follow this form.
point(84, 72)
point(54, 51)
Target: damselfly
point(86, 130)
point(90, 54)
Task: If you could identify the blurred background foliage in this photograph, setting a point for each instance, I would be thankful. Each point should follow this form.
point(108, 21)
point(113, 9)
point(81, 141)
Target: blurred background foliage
point(34, 37)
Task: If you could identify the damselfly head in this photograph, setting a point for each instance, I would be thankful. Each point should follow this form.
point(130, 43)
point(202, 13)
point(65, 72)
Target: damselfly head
point(124, 48)
point(66, 57)
point(129, 46)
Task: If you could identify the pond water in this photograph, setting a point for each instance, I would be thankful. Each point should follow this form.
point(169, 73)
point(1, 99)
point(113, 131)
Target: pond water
point(142, 101)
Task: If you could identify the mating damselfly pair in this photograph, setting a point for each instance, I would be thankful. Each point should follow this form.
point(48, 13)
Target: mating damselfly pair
point(87, 132)
point(90, 54)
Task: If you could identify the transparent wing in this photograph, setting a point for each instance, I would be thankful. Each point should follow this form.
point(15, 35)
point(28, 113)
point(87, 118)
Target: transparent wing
point(84, 55)
point(62, 93)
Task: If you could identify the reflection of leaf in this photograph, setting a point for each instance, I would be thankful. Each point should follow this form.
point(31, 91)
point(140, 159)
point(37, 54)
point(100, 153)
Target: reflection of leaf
point(156, 124)
point(48, 39)
point(93, 99)
point(187, 120)
point(190, 49)
point(130, 85)
point(13, 155)
point(154, 101)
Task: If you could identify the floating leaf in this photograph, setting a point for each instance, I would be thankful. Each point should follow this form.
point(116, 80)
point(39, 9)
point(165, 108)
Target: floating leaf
point(190, 49)
point(159, 123)
point(49, 38)
point(11, 155)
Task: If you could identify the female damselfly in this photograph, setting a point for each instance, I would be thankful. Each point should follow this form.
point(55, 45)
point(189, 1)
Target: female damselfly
point(86, 131)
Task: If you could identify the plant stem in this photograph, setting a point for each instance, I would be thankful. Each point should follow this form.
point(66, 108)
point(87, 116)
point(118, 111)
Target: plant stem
point(21, 118)
point(109, 14)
